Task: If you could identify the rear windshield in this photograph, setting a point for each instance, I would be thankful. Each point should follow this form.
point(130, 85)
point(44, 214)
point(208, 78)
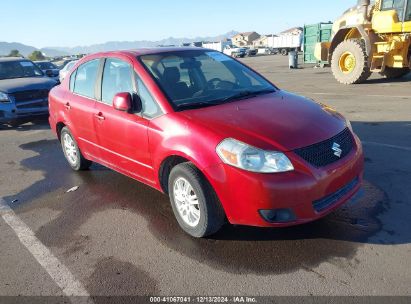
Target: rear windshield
point(46, 65)
point(201, 78)
point(19, 69)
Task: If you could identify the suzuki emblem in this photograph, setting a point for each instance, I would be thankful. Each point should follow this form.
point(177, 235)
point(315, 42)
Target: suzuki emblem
point(337, 150)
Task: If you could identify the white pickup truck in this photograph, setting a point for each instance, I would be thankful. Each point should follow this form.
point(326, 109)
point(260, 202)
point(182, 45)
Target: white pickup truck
point(226, 48)
point(234, 51)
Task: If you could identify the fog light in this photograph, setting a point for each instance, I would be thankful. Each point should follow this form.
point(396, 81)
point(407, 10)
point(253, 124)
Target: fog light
point(278, 215)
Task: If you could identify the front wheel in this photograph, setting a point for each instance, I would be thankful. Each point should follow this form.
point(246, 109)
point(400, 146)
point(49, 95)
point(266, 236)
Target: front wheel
point(195, 204)
point(72, 152)
point(349, 62)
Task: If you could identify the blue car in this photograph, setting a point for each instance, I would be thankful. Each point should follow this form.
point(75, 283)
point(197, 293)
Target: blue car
point(24, 90)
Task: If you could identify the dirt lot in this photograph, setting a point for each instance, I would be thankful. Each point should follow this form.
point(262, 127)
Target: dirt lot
point(119, 237)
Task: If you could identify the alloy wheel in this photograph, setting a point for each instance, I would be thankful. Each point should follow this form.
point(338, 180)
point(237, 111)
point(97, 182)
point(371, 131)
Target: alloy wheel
point(186, 201)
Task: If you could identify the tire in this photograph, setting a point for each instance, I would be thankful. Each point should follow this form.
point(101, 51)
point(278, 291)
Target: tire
point(360, 70)
point(210, 215)
point(284, 52)
point(72, 152)
point(392, 73)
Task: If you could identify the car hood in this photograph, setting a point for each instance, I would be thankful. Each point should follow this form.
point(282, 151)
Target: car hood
point(281, 121)
point(26, 84)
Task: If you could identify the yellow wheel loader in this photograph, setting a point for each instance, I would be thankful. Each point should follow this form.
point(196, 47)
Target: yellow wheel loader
point(371, 37)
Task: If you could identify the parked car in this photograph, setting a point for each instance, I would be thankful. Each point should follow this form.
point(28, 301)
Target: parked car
point(49, 68)
point(217, 137)
point(66, 69)
point(24, 90)
point(251, 52)
point(62, 63)
point(234, 51)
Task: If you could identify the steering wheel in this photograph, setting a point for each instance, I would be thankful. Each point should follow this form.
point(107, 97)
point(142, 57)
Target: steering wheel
point(212, 83)
point(217, 83)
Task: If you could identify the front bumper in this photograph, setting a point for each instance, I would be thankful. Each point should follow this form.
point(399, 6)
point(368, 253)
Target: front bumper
point(244, 194)
point(9, 112)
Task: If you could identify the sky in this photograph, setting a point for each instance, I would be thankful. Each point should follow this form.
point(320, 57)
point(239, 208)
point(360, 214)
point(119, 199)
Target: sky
point(84, 22)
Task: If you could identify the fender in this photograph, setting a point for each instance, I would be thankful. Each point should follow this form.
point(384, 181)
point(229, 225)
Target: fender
point(342, 34)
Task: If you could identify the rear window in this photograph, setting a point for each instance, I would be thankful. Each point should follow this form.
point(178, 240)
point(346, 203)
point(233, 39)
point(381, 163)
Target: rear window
point(46, 65)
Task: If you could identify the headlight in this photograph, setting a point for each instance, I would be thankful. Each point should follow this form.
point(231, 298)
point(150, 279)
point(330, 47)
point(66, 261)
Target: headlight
point(4, 97)
point(243, 156)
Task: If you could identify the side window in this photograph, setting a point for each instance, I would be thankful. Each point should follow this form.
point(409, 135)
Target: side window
point(150, 106)
point(86, 78)
point(117, 78)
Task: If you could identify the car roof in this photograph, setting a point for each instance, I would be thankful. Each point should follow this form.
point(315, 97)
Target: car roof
point(9, 59)
point(151, 51)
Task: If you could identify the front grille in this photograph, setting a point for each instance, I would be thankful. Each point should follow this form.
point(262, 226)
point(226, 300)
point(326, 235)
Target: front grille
point(334, 198)
point(30, 95)
point(322, 154)
point(30, 105)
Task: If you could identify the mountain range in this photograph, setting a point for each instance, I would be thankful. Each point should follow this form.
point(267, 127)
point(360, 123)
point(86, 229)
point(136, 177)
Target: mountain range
point(25, 50)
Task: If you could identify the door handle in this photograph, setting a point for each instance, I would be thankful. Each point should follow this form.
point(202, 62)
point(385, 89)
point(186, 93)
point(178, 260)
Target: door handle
point(67, 106)
point(100, 116)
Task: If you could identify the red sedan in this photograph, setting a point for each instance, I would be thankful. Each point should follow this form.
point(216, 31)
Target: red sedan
point(221, 140)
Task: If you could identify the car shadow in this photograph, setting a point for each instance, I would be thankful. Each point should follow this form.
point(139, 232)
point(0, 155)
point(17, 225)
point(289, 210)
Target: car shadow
point(369, 218)
point(40, 123)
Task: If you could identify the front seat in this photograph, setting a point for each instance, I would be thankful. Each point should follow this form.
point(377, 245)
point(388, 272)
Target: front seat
point(175, 88)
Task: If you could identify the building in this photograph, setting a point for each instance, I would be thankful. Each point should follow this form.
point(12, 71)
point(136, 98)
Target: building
point(245, 39)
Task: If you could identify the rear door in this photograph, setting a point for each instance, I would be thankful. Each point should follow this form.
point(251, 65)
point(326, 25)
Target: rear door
point(80, 106)
point(122, 137)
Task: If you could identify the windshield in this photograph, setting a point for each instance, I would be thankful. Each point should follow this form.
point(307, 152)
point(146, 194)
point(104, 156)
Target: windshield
point(19, 69)
point(193, 79)
point(46, 65)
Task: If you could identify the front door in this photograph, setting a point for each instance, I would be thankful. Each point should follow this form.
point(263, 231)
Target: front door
point(122, 137)
point(80, 106)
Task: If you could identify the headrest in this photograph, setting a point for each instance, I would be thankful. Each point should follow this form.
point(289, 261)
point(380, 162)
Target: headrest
point(171, 75)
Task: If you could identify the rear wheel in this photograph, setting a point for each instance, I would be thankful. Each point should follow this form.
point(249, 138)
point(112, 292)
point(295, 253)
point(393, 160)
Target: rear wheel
point(392, 73)
point(195, 204)
point(349, 62)
point(72, 152)
point(284, 52)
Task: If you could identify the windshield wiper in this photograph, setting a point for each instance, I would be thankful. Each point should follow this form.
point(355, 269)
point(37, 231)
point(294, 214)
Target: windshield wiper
point(245, 95)
point(238, 96)
point(196, 105)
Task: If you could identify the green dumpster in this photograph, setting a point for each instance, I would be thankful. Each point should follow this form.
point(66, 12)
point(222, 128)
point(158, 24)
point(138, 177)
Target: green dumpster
point(320, 32)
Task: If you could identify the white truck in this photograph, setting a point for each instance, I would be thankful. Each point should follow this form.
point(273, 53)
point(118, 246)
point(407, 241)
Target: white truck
point(226, 48)
point(283, 44)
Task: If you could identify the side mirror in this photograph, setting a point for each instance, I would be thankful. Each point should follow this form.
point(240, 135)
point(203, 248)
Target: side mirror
point(49, 73)
point(122, 102)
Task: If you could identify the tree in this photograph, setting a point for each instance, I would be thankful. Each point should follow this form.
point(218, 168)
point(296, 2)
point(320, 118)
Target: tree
point(15, 53)
point(36, 55)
